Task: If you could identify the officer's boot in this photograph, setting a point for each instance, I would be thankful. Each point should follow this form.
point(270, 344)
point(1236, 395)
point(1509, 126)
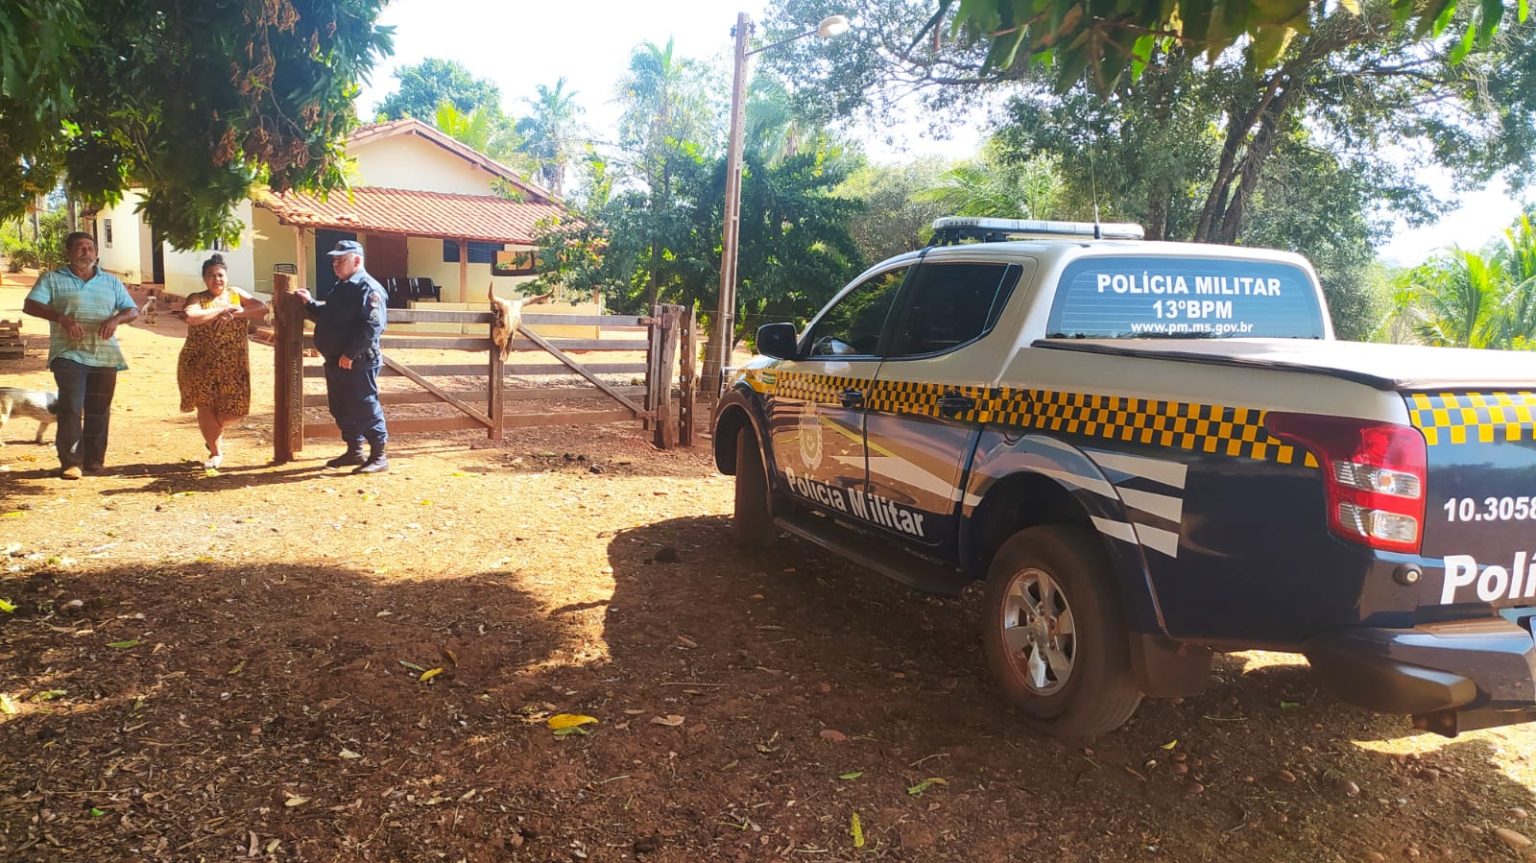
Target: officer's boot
point(377, 461)
point(353, 456)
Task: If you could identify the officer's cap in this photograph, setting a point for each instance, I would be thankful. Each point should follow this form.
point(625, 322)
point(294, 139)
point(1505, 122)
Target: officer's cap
point(346, 247)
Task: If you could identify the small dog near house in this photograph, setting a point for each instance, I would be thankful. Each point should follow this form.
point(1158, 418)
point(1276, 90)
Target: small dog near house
point(37, 404)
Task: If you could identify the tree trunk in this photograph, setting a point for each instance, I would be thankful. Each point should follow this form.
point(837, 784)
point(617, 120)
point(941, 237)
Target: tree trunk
point(1238, 131)
point(1253, 165)
point(1157, 215)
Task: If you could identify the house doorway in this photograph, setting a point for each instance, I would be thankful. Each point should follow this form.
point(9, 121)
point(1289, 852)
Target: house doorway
point(156, 255)
point(385, 256)
point(325, 241)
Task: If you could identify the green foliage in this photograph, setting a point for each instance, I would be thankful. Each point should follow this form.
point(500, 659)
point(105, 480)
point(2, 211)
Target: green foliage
point(433, 81)
point(483, 129)
point(893, 219)
point(1474, 299)
point(795, 249)
point(1103, 43)
point(46, 251)
point(551, 133)
point(194, 100)
point(992, 185)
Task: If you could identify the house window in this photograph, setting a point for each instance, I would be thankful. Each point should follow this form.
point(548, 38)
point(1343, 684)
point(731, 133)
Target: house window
point(479, 253)
point(517, 262)
point(106, 229)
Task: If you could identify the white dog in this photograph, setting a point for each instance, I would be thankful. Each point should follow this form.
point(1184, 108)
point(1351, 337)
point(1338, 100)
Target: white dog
point(37, 404)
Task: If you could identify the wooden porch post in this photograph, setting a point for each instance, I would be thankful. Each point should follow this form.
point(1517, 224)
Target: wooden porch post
point(463, 271)
point(288, 381)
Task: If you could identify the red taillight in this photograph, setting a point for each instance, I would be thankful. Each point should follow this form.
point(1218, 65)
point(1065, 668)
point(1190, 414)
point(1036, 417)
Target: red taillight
point(1374, 473)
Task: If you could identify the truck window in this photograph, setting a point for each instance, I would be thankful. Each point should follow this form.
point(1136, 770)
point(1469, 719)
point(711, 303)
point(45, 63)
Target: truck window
point(852, 326)
point(1161, 297)
point(949, 304)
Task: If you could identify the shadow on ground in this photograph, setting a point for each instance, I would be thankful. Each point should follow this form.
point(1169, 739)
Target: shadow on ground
point(1261, 766)
point(749, 706)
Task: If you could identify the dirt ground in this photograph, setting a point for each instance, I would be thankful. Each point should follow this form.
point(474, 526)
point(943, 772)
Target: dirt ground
point(294, 664)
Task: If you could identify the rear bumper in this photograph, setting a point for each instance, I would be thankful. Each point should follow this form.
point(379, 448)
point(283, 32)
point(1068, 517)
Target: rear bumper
point(1450, 676)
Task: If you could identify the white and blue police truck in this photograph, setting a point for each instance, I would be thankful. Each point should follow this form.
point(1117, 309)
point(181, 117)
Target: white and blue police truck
point(1151, 452)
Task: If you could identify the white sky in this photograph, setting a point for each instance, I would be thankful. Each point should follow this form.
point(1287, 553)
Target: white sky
point(519, 45)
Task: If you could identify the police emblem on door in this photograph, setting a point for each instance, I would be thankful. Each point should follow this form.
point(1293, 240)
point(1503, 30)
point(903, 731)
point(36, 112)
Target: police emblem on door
point(809, 433)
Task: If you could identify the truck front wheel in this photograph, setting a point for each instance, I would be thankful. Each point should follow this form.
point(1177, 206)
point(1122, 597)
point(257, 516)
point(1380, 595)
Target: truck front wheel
point(752, 525)
point(1053, 635)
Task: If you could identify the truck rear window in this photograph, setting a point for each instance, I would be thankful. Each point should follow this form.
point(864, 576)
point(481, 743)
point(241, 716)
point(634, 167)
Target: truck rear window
point(1160, 297)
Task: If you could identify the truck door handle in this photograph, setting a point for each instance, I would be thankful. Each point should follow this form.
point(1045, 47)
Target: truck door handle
point(954, 405)
point(852, 398)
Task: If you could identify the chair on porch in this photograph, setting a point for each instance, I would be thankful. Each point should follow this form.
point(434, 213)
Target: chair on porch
point(396, 295)
point(422, 288)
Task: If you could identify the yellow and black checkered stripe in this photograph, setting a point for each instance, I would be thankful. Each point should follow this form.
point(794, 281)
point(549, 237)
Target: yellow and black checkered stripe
point(1460, 418)
point(1217, 429)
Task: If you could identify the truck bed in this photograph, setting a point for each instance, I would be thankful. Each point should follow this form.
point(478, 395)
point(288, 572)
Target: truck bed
point(1383, 367)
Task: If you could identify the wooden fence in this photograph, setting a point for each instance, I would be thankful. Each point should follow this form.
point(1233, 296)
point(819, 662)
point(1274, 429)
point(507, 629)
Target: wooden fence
point(668, 337)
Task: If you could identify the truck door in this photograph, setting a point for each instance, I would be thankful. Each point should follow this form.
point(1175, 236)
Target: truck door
point(816, 416)
point(923, 418)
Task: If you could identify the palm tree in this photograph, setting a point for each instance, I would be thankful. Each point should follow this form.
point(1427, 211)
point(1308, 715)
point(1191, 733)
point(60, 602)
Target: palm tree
point(1459, 299)
point(483, 129)
point(1517, 258)
point(665, 112)
point(551, 133)
point(990, 186)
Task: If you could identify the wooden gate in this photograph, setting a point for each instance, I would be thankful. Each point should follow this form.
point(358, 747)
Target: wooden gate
point(668, 337)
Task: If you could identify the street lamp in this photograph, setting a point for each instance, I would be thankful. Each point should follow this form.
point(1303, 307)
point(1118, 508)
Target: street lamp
point(719, 354)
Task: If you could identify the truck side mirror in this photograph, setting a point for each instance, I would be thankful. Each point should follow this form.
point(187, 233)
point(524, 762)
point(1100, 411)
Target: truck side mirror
point(777, 341)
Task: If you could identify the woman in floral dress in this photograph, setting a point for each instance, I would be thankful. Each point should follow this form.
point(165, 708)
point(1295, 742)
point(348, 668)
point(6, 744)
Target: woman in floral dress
point(214, 371)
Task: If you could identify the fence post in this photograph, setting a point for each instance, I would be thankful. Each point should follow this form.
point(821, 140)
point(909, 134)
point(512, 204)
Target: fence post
point(288, 381)
point(652, 360)
point(496, 403)
point(665, 434)
point(687, 382)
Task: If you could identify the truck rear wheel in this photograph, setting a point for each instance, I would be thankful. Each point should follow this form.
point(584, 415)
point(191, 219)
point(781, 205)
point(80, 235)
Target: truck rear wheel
point(752, 525)
point(1054, 637)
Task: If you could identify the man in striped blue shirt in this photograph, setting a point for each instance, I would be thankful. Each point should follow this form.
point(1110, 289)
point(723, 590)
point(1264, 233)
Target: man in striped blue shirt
point(84, 307)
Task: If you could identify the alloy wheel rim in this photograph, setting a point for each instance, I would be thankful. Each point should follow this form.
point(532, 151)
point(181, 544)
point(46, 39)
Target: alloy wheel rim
point(1039, 631)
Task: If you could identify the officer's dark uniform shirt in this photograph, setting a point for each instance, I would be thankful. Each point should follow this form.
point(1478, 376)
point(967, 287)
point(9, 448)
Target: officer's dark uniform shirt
point(350, 320)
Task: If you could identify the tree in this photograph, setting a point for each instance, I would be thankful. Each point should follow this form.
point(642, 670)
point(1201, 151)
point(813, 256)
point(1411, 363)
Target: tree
point(1478, 299)
point(1306, 155)
point(666, 122)
point(1102, 43)
point(893, 219)
point(551, 133)
point(194, 100)
point(992, 185)
point(430, 83)
point(484, 129)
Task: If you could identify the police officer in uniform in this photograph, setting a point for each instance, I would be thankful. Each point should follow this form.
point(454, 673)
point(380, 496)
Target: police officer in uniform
point(348, 324)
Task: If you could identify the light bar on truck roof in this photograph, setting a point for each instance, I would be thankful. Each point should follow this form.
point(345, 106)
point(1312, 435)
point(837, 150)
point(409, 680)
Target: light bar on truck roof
point(991, 230)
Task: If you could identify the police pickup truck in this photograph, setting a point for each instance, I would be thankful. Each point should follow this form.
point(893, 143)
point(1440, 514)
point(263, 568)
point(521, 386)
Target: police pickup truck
point(1151, 452)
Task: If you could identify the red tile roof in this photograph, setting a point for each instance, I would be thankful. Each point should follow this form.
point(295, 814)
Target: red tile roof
point(483, 218)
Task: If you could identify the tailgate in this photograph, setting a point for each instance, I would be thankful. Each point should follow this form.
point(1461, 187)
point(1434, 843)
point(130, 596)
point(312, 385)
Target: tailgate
point(1481, 492)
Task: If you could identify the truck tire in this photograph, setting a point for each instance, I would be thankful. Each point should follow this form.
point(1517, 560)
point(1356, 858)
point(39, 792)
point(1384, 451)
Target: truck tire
point(752, 525)
point(1054, 637)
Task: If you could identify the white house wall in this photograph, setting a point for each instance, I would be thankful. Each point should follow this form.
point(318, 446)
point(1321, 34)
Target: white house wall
point(272, 243)
point(184, 270)
point(411, 162)
point(124, 257)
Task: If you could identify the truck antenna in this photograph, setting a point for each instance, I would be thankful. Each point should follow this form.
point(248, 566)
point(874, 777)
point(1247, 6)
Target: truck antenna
point(1093, 189)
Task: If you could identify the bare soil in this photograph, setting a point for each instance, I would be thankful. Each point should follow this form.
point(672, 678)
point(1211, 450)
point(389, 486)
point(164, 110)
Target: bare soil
point(289, 663)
